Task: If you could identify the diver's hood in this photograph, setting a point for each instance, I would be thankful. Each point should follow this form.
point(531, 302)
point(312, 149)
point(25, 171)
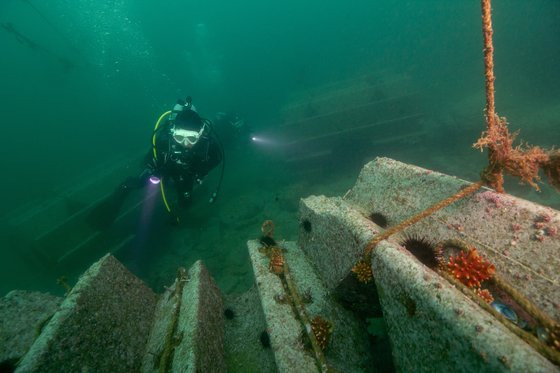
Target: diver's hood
point(189, 119)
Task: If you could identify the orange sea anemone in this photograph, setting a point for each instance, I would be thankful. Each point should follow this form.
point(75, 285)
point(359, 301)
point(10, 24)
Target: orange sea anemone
point(470, 268)
point(485, 294)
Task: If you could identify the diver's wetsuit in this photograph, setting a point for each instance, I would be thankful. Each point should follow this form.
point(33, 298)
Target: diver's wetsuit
point(184, 166)
point(176, 164)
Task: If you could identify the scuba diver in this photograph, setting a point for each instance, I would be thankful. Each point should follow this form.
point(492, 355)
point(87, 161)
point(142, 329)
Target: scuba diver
point(185, 148)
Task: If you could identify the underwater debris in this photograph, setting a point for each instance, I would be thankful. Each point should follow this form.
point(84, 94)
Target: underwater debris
point(276, 263)
point(63, 281)
point(470, 268)
point(9, 27)
point(464, 192)
point(363, 271)
point(267, 241)
point(516, 161)
point(322, 329)
point(508, 312)
point(267, 228)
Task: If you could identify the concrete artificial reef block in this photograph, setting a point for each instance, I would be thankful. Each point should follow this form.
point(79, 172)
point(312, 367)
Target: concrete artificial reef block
point(22, 317)
point(348, 349)
point(432, 325)
point(519, 237)
point(102, 325)
point(332, 235)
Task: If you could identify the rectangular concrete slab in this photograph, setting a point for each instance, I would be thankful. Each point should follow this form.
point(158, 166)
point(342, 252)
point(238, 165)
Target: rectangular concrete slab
point(348, 349)
point(332, 234)
point(283, 327)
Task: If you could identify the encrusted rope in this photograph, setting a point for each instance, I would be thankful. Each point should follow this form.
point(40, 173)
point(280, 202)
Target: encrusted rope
point(488, 61)
point(525, 303)
point(302, 313)
point(416, 218)
point(169, 345)
point(521, 161)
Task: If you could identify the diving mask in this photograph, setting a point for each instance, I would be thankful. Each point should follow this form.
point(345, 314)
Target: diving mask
point(186, 137)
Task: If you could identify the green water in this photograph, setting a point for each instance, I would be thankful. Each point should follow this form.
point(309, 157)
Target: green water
point(90, 78)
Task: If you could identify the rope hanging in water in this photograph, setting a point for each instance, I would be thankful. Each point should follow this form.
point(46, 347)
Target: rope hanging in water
point(517, 161)
point(502, 156)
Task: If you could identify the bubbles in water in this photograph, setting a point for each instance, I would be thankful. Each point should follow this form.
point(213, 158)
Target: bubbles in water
point(111, 39)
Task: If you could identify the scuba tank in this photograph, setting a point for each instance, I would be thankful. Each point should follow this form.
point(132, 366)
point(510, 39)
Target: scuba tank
point(180, 106)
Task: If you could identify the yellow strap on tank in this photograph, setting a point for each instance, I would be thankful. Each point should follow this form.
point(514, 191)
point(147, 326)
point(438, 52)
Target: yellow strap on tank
point(155, 157)
point(155, 129)
point(163, 196)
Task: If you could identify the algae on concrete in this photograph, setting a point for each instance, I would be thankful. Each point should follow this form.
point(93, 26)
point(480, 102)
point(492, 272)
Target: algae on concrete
point(243, 348)
point(23, 314)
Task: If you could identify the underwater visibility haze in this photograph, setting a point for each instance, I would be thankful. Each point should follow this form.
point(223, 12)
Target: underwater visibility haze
point(83, 84)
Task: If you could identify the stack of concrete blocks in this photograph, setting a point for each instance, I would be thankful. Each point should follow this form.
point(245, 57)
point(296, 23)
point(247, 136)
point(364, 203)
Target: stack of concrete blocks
point(431, 324)
point(324, 120)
